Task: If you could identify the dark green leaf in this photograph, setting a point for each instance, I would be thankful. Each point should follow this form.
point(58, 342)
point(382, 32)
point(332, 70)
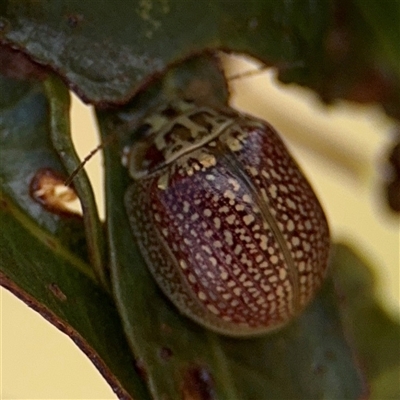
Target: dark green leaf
point(383, 19)
point(43, 254)
point(105, 49)
point(361, 59)
point(308, 359)
point(376, 334)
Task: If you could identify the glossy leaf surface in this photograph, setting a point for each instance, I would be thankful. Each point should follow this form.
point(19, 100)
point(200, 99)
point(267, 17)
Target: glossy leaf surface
point(104, 49)
point(178, 356)
point(43, 258)
point(375, 332)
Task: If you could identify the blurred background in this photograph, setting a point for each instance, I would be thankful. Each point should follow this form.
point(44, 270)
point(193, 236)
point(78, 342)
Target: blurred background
point(342, 149)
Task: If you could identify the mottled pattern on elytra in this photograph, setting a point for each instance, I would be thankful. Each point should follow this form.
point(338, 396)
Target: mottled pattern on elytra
point(292, 202)
point(231, 230)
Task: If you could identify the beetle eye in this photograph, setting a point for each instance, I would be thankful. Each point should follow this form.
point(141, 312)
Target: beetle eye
point(142, 131)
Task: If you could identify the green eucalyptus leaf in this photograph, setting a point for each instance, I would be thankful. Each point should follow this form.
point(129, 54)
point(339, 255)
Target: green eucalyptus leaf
point(383, 18)
point(105, 49)
point(43, 256)
point(309, 359)
point(376, 333)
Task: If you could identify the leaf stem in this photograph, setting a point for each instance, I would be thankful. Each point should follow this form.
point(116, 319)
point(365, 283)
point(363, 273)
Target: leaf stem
point(59, 102)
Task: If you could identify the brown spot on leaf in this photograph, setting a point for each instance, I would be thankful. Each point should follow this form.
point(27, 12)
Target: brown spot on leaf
point(141, 369)
point(57, 292)
point(17, 65)
point(51, 243)
point(330, 355)
point(165, 353)
point(3, 204)
point(48, 189)
point(371, 86)
point(197, 384)
point(4, 25)
point(393, 180)
point(394, 158)
point(166, 328)
point(393, 195)
point(73, 20)
point(320, 370)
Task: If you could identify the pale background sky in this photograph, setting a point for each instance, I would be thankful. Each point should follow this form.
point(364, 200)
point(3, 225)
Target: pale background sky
point(344, 165)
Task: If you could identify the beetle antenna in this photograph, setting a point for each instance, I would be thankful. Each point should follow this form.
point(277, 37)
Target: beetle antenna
point(249, 73)
point(87, 158)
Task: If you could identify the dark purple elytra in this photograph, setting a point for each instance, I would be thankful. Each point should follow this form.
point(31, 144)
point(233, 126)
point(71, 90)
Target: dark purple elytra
point(227, 223)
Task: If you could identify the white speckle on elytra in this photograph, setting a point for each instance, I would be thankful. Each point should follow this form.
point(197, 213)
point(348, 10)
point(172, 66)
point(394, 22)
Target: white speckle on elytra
point(274, 259)
point(201, 296)
point(224, 275)
point(295, 241)
point(263, 243)
point(273, 191)
point(248, 219)
point(213, 261)
point(291, 204)
point(217, 223)
point(264, 173)
point(246, 198)
point(282, 274)
point(228, 237)
point(273, 279)
point(206, 249)
point(207, 212)
point(290, 225)
point(253, 171)
point(299, 254)
point(229, 194)
point(213, 309)
point(271, 296)
point(230, 219)
point(186, 207)
point(194, 217)
point(234, 183)
point(238, 249)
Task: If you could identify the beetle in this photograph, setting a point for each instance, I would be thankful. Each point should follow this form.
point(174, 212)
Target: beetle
point(226, 221)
